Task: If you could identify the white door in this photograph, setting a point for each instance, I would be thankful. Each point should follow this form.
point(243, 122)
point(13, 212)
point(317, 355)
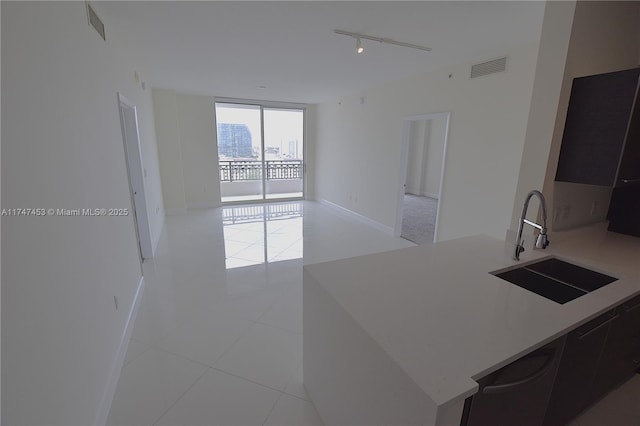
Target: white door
point(130, 136)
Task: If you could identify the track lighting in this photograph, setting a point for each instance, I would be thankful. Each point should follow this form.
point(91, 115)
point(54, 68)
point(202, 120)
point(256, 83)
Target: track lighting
point(360, 49)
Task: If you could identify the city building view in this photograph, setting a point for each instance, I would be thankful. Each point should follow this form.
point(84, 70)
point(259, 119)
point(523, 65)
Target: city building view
point(260, 152)
point(234, 141)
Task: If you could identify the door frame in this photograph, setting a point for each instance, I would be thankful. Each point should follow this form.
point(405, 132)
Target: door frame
point(135, 176)
point(267, 105)
point(404, 163)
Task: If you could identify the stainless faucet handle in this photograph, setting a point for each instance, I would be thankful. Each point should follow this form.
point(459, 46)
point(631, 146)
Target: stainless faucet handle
point(542, 242)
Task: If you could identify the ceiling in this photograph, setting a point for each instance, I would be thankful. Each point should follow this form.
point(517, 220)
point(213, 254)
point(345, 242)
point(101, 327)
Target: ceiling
point(233, 48)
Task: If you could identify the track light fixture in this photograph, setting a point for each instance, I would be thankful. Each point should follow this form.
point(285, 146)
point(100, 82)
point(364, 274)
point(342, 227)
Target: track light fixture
point(360, 48)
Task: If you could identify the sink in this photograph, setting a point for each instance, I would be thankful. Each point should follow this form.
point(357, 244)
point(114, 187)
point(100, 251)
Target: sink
point(555, 279)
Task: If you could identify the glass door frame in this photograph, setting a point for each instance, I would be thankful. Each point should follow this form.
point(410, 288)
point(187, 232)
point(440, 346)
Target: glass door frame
point(267, 105)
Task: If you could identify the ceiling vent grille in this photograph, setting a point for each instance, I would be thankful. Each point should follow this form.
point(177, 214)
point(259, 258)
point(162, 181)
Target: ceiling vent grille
point(489, 67)
point(95, 21)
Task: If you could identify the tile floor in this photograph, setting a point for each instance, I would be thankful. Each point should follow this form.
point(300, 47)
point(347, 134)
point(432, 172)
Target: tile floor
point(218, 337)
point(621, 407)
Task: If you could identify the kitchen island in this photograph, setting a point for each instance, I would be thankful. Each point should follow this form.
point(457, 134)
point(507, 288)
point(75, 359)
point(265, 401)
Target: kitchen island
point(402, 337)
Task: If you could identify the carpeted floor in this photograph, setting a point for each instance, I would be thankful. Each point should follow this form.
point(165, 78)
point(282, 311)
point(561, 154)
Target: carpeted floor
point(419, 218)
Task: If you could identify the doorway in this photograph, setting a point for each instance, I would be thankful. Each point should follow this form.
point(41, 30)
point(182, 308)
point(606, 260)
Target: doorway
point(260, 151)
point(131, 139)
point(424, 141)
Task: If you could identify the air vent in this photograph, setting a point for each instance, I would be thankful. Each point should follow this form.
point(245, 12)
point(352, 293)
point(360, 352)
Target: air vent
point(95, 21)
point(489, 67)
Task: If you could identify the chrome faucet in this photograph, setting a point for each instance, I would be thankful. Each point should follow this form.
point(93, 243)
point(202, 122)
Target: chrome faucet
point(541, 242)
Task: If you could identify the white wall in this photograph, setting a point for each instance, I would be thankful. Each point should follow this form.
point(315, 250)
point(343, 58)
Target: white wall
point(544, 104)
point(62, 148)
point(433, 171)
point(310, 132)
point(605, 37)
point(198, 141)
point(358, 146)
point(426, 148)
point(419, 132)
point(187, 142)
point(0, 249)
point(168, 135)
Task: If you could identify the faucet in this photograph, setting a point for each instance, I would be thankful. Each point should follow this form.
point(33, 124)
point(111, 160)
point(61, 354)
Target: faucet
point(541, 242)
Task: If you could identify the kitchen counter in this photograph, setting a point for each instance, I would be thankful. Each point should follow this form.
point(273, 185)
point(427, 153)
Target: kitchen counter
point(428, 321)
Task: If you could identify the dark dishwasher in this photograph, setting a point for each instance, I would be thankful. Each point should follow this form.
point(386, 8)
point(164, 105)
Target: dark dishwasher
point(518, 393)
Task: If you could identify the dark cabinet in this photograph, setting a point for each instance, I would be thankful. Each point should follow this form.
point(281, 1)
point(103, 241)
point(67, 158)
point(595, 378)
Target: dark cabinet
point(598, 117)
point(516, 394)
point(597, 357)
point(621, 354)
point(572, 388)
point(601, 142)
point(624, 209)
point(554, 384)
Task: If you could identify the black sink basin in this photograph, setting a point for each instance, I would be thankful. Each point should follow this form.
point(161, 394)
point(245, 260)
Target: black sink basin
point(556, 279)
point(571, 274)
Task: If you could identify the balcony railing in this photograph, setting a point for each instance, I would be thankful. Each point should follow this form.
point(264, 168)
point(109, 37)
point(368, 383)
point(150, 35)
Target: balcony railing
point(241, 170)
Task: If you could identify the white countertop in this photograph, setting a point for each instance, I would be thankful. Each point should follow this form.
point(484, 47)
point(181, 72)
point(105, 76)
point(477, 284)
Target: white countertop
point(445, 320)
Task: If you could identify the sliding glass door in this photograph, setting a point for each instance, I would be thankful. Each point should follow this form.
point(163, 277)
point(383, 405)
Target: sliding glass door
point(260, 152)
point(240, 152)
point(283, 152)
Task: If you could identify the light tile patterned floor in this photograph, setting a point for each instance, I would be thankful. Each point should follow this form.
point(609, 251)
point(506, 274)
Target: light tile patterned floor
point(218, 338)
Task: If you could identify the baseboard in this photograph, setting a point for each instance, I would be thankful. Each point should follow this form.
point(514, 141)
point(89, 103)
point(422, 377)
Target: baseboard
point(359, 217)
point(112, 383)
point(154, 244)
point(203, 205)
point(431, 195)
point(423, 194)
point(174, 212)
